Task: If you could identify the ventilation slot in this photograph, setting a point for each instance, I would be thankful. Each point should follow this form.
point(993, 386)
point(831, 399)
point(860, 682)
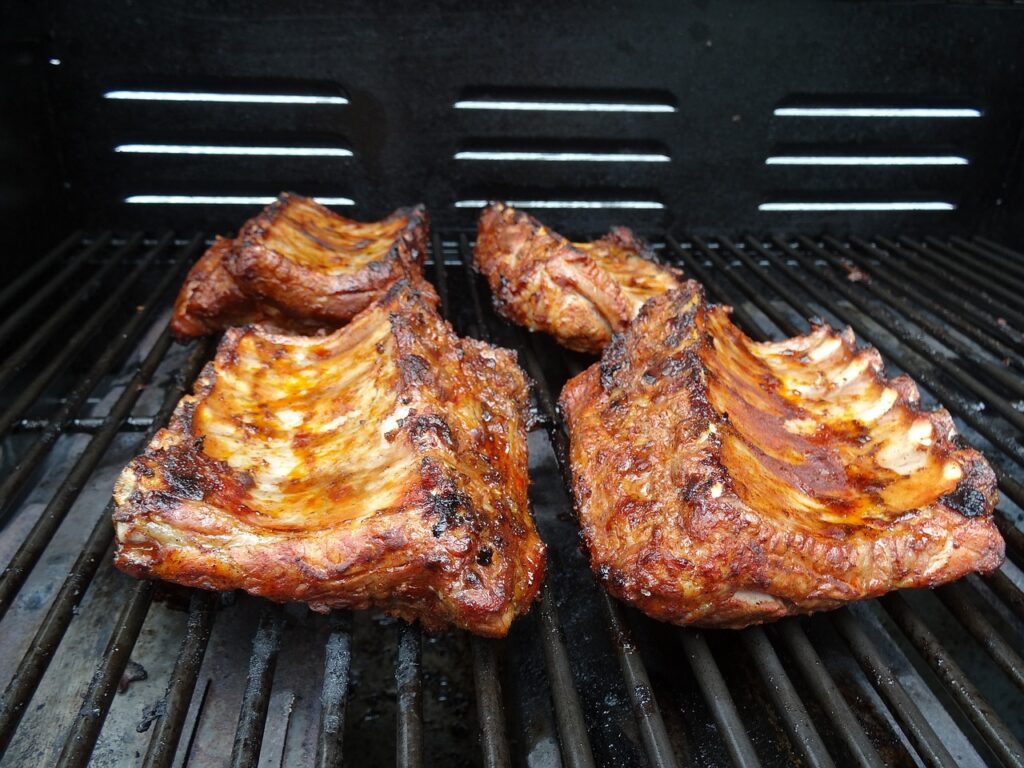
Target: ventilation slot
point(638, 205)
point(864, 153)
point(563, 152)
point(222, 200)
point(221, 149)
point(564, 100)
point(225, 98)
point(246, 139)
point(866, 160)
point(562, 157)
point(925, 205)
point(886, 112)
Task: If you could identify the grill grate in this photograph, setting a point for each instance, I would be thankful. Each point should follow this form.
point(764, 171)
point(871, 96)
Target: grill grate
point(581, 681)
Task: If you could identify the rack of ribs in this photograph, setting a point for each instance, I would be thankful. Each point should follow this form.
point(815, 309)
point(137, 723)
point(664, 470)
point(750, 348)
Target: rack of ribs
point(382, 465)
point(579, 293)
point(300, 267)
point(723, 482)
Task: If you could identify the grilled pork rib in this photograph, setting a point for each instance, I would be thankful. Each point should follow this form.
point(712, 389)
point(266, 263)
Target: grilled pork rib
point(723, 482)
point(300, 266)
point(382, 465)
point(580, 293)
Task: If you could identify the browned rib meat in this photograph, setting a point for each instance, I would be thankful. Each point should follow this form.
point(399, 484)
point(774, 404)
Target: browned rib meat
point(580, 293)
point(300, 267)
point(382, 465)
point(723, 482)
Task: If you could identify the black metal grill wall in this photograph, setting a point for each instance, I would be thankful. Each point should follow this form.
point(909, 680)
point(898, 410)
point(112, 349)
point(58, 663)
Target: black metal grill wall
point(688, 114)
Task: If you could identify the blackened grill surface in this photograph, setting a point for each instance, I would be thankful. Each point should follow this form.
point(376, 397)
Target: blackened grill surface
point(88, 372)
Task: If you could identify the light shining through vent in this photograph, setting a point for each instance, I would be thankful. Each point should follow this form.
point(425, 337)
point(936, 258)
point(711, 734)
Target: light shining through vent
point(210, 149)
point(876, 112)
point(243, 98)
point(567, 157)
point(561, 106)
point(631, 204)
point(222, 200)
point(866, 160)
point(890, 206)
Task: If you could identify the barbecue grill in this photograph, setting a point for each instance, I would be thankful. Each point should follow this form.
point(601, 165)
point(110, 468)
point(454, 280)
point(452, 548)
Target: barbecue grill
point(829, 129)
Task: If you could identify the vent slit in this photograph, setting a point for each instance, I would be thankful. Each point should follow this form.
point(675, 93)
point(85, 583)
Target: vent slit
point(209, 96)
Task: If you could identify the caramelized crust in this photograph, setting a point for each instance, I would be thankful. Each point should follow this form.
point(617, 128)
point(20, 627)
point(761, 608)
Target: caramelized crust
point(300, 267)
point(382, 465)
point(723, 482)
point(580, 293)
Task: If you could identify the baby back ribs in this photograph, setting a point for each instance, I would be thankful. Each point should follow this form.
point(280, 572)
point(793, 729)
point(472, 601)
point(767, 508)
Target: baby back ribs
point(723, 482)
point(580, 293)
point(382, 465)
point(300, 267)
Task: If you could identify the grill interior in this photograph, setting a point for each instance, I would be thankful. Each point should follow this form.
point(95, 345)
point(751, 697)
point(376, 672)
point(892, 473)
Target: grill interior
point(107, 670)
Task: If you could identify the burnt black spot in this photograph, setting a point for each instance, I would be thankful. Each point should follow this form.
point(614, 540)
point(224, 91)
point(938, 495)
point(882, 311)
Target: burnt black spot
point(183, 477)
point(427, 429)
point(967, 500)
point(445, 501)
point(414, 369)
point(484, 555)
point(649, 378)
point(614, 359)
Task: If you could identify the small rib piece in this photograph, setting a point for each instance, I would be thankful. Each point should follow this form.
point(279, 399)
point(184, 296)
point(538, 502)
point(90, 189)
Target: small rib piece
point(722, 482)
point(580, 293)
point(383, 465)
point(300, 267)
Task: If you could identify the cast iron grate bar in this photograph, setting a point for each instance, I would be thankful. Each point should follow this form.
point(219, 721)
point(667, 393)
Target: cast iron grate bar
point(576, 750)
point(334, 692)
point(489, 707)
point(41, 296)
point(829, 697)
point(78, 397)
point(168, 726)
point(791, 275)
point(652, 727)
point(798, 726)
point(252, 717)
point(1006, 261)
point(46, 330)
point(43, 266)
point(57, 508)
point(486, 674)
point(87, 425)
point(1000, 293)
point(992, 729)
point(75, 345)
point(996, 248)
point(961, 599)
point(723, 291)
point(49, 635)
point(966, 315)
point(978, 298)
point(996, 346)
point(409, 690)
point(716, 693)
point(782, 693)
